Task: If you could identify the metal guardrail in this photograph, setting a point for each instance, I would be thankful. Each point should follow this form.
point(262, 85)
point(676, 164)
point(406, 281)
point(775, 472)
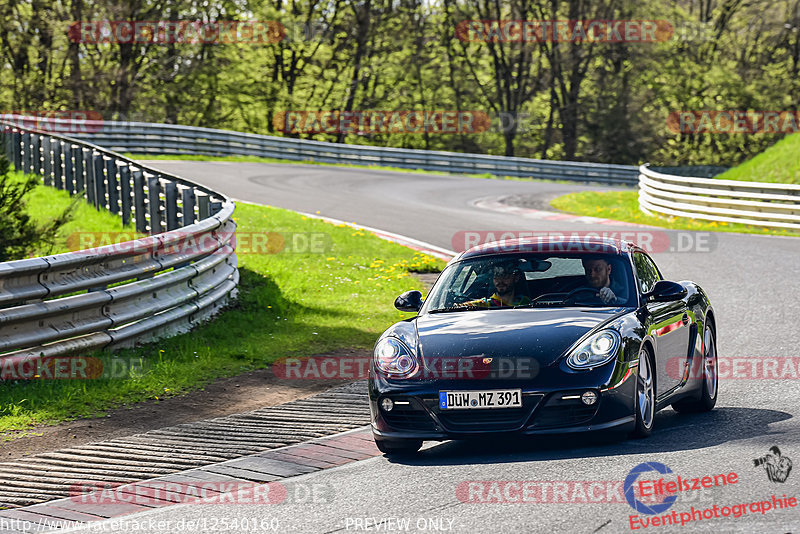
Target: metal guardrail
point(173, 139)
point(115, 295)
point(756, 203)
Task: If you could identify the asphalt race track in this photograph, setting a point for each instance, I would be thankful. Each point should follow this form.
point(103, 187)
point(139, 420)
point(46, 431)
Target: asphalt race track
point(753, 283)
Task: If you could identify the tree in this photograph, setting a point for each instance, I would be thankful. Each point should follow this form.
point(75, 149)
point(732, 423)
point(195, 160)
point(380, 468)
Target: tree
point(513, 68)
point(20, 234)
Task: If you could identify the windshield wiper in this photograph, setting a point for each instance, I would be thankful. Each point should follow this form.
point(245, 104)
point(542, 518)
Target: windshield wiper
point(541, 304)
point(466, 308)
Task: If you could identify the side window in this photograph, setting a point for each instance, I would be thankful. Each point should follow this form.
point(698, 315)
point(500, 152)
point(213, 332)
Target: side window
point(646, 272)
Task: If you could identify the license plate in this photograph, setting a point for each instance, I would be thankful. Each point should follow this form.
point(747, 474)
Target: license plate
point(465, 400)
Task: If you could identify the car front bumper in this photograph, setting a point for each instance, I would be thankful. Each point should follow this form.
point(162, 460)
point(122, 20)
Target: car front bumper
point(416, 413)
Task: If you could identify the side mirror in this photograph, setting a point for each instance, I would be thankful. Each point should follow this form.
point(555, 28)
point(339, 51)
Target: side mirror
point(410, 301)
point(666, 291)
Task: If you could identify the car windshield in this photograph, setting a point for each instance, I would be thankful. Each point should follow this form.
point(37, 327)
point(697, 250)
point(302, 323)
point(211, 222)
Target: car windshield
point(533, 280)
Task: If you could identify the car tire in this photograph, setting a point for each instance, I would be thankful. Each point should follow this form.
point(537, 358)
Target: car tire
point(710, 388)
point(398, 446)
point(644, 399)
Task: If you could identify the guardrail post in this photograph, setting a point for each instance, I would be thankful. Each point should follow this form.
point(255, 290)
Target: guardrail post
point(154, 204)
point(26, 153)
point(99, 182)
point(88, 167)
point(125, 192)
point(113, 186)
point(47, 161)
point(187, 209)
point(138, 201)
point(17, 150)
point(58, 175)
point(69, 169)
point(203, 206)
point(36, 154)
point(6, 137)
point(77, 153)
point(171, 205)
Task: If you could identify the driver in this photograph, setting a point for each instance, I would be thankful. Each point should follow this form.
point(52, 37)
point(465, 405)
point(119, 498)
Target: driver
point(598, 276)
point(506, 277)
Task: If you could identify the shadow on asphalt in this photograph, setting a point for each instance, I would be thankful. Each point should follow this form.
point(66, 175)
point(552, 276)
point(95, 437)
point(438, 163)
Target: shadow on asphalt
point(673, 432)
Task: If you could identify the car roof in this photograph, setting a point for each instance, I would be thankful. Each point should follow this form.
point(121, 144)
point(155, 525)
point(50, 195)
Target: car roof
point(569, 244)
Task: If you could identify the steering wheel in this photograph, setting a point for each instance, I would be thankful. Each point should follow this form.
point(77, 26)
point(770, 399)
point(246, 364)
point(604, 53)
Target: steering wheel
point(454, 298)
point(580, 290)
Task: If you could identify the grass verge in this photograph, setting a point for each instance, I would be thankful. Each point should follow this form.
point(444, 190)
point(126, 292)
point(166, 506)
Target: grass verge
point(777, 164)
point(624, 206)
point(290, 303)
point(44, 203)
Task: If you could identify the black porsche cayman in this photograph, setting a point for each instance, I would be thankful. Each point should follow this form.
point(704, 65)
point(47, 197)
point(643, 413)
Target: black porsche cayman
point(538, 337)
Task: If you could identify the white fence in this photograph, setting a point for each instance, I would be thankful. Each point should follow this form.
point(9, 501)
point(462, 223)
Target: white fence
point(757, 203)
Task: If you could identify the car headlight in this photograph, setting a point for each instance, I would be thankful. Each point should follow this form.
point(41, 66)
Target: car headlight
point(595, 351)
point(394, 359)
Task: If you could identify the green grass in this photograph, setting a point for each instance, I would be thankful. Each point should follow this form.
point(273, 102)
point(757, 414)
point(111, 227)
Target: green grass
point(289, 304)
point(780, 163)
point(45, 203)
point(624, 206)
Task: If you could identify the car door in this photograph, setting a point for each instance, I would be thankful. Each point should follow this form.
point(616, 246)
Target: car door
point(669, 327)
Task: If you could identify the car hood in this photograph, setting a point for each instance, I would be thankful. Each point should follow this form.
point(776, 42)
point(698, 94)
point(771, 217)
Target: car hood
point(542, 334)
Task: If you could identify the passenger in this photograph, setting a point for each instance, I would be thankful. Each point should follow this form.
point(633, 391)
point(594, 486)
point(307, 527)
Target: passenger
point(506, 278)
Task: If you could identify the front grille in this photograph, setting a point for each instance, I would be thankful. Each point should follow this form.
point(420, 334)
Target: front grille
point(487, 419)
point(411, 416)
point(561, 413)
